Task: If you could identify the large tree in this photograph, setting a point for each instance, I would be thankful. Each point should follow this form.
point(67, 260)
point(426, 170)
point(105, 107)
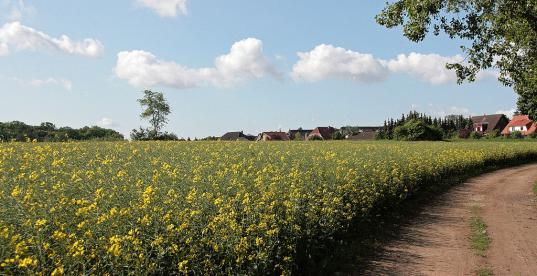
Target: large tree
point(156, 109)
point(498, 34)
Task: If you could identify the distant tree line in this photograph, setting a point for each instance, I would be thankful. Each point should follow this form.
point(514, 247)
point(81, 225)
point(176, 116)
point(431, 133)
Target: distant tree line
point(48, 132)
point(417, 126)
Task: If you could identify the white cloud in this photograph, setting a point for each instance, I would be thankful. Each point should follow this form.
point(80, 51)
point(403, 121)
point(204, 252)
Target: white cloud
point(21, 37)
point(15, 10)
point(67, 84)
point(327, 61)
point(38, 83)
point(430, 68)
point(4, 50)
point(165, 8)
point(508, 112)
point(106, 122)
point(443, 111)
point(244, 61)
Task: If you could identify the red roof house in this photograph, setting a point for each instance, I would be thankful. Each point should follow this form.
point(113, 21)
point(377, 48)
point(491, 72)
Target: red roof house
point(521, 123)
point(325, 133)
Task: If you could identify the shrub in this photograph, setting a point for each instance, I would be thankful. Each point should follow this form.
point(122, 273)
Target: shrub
point(338, 135)
point(463, 134)
point(493, 134)
point(516, 135)
point(143, 134)
point(417, 130)
point(315, 138)
point(476, 135)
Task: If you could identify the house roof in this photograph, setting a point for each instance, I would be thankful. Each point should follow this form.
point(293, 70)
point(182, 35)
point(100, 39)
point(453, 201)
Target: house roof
point(492, 120)
point(518, 121)
point(236, 135)
point(276, 135)
point(324, 132)
point(365, 135)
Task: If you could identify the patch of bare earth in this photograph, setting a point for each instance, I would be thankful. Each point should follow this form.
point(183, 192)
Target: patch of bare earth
point(437, 241)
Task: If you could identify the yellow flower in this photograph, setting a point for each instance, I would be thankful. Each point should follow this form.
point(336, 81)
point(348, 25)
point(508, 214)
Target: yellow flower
point(183, 266)
point(40, 222)
point(16, 191)
point(26, 262)
point(57, 271)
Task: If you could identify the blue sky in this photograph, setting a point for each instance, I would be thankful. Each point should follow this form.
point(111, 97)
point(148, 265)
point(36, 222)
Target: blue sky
point(225, 65)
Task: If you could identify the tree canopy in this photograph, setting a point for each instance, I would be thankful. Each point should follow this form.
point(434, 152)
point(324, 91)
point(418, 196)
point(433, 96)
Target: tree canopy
point(502, 34)
point(48, 132)
point(156, 110)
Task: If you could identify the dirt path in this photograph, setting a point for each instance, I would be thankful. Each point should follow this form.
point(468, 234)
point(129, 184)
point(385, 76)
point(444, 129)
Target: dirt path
point(437, 241)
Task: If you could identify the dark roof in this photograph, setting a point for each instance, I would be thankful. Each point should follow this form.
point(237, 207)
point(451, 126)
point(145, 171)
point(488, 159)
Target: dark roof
point(275, 135)
point(236, 135)
point(365, 135)
point(492, 120)
point(303, 132)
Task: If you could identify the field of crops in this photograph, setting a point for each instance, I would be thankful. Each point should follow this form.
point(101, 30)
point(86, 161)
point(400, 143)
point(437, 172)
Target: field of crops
point(207, 207)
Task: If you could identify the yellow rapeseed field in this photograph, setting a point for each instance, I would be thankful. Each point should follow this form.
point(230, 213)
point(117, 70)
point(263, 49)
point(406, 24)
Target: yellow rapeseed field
point(207, 207)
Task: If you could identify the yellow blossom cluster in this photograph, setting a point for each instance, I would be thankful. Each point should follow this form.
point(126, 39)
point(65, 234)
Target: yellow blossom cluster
point(208, 207)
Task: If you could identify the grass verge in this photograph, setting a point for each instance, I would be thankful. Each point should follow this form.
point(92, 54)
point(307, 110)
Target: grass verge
point(485, 271)
point(535, 188)
point(479, 237)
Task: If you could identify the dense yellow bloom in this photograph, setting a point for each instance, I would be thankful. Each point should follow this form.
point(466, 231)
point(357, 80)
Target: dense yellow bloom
point(202, 208)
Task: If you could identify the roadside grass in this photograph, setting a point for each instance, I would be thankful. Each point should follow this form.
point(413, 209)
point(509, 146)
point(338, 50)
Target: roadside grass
point(485, 271)
point(535, 188)
point(479, 237)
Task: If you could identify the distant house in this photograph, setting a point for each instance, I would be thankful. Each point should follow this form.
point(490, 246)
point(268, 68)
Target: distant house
point(272, 136)
point(487, 123)
point(237, 136)
point(324, 133)
point(364, 135)
point(520, 123)
point(302, 132)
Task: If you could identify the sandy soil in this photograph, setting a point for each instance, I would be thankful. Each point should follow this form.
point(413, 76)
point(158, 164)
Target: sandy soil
point(437, 241)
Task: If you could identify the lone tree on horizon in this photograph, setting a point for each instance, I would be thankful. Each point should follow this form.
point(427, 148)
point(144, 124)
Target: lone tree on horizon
point(156, 109)
point(498, 34)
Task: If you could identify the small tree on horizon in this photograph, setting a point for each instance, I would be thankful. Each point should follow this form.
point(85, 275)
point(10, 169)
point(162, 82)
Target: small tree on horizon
point(156, 109)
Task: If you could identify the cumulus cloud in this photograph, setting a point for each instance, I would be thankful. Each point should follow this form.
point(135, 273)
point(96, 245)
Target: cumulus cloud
point(21, 37)
point(38, 83)
point(508, 112)
point(15, 10)
point(67, 84)
point(106, 122)
point(430, 68)
point(165, 8)
point(327, 61)
point(244, 61)
point(443, 111)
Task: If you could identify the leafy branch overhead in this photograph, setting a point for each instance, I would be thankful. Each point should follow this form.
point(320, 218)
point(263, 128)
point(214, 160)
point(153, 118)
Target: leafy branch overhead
point(502, 35)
